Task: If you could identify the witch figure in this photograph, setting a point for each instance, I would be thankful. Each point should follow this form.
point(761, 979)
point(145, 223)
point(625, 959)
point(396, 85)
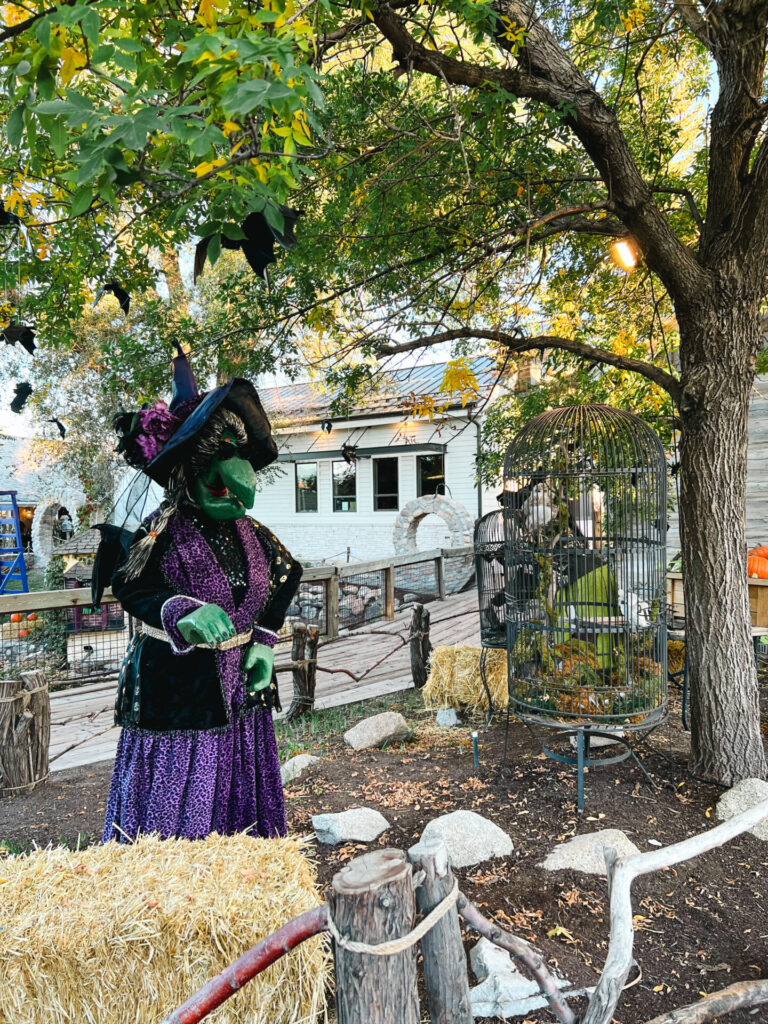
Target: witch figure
point(209, 588)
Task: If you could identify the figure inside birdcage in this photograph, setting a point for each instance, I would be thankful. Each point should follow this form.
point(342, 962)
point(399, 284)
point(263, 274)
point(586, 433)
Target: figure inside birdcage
point(584, 560)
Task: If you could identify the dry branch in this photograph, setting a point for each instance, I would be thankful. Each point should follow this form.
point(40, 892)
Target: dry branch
point(735, 997)
point(621, 873)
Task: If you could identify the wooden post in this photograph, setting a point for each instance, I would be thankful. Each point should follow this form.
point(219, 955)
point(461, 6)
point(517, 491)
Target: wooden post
point(389, 592)
point(25, 733)
point(440, 575)
point(371, 900)
point(445, 964)
point(421, 647)
point(332, 606)
point(304, 658)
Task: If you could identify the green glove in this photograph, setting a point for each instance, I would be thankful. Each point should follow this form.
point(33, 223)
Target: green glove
point(208, 624)
point(257, 664)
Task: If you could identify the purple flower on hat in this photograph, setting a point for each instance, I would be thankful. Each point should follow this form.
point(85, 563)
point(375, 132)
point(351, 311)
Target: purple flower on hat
point(157, 425)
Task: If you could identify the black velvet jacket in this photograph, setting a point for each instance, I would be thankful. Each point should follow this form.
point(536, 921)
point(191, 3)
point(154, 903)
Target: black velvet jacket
point(164, 691)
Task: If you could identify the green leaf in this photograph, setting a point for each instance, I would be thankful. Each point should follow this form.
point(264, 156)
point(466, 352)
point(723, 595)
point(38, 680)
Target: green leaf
point(43, 33)
point(214, 248)
point(81, 200)
point(91, 23)
point(22, 68)
point(245, 96)
point(274, 217)
point(266, 16)
point(130, 45)
point(15, 126)
point(102, 53)
point(59, 138)
point(233, 231)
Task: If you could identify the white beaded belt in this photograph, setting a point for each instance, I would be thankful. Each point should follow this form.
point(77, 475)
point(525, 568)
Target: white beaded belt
point(225, 645)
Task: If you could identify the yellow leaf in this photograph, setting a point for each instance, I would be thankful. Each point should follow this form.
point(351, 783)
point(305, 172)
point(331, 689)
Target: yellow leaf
point(558, 930)
point(229, 126)
point(658, 988)
point(520, 190)
point(71, 61)
point(204, 168)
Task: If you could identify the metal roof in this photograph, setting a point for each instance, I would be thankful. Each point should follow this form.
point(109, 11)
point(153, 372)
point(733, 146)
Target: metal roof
point(390, 392)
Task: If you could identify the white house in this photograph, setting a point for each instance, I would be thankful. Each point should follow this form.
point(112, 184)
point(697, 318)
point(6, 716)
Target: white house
point(348, 480)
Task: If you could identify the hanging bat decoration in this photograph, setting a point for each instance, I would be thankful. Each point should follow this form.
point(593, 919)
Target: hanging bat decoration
point(258, 246)
point(60, 425)
point(20, 333)
point(349, 453)
point(23, 391)
point(119, 292)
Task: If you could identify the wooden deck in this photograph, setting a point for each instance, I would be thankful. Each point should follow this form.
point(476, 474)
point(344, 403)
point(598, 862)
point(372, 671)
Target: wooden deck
point(377, 657)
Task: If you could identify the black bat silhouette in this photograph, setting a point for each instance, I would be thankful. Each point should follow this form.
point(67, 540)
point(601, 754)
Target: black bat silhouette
point(259, 243)
point(119, 292)
point(23, 391)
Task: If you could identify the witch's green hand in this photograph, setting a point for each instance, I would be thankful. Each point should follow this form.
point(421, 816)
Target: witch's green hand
point(208, 624)
point(258, 663)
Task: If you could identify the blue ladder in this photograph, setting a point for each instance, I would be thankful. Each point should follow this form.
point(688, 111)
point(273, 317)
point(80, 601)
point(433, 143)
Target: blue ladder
point(13, 571)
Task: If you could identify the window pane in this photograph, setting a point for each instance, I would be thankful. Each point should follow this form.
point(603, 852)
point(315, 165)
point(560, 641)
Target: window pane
point(306, 487)
point(431, 474)
point(385, 485)
point(344, 487)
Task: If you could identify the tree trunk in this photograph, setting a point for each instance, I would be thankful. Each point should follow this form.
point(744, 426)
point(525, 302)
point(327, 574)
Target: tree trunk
point(718, 348)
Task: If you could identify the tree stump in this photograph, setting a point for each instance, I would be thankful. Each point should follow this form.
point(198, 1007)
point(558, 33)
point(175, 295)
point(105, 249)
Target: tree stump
point(421, 648)
point(25, 732)
point(445, 963)
point(304, 658)
point(371, 900)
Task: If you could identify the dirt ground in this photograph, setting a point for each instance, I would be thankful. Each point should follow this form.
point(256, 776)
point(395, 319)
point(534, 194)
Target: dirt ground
point(700, 926)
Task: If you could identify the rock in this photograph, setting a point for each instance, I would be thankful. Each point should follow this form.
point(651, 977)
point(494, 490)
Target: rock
point(503, 991)
point(745, 794)
point(388, 727)
point(448, 718)
point(374, 609)
point(407, 598)
point(601, 741)
point(296, 766)
point(358, 824)
point(585, 853)
point(469, 837)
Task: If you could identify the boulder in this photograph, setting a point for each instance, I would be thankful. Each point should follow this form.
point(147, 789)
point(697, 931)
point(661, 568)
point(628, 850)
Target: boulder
point(358, 824)
point(585, 853)
point(745, 794)
point(388, 727)
point(469, 837)
point(296, 766)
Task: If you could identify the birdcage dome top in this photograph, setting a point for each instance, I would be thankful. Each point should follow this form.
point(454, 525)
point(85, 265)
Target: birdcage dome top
point(583, 438)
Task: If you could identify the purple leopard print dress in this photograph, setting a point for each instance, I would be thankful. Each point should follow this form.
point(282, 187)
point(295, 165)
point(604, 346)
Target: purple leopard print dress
point(190, 783)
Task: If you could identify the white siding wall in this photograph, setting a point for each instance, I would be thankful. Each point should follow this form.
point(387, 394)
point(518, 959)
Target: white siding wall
point(326, 534)
point(757, 473)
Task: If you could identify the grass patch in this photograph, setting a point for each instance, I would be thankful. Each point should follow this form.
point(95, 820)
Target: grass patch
point(316, 732)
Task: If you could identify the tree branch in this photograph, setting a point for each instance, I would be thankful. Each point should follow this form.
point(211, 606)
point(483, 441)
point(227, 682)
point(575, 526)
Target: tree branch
point(544, 72)
point(694, 21)
point(11, 31)
point(735, 997)
point(516, 343)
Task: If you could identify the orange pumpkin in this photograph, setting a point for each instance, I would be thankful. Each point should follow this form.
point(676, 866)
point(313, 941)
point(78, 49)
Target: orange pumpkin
point(32, 617)
point(757, 567)
point(17, 617)
point(762, 551)
point(23, 632)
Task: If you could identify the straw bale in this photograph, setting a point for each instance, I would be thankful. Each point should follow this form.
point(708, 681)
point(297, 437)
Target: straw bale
point(128, 932)
point(675, 656)
point(454, 678)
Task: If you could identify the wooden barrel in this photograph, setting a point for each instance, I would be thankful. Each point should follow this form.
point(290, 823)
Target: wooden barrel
point(25, 732)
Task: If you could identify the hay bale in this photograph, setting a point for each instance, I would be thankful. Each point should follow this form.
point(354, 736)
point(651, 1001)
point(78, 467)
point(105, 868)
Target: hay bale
point(675, 656)
point(454, 678)
point(127, 933)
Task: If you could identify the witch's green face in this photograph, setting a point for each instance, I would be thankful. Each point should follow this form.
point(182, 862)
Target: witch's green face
point(226, 489)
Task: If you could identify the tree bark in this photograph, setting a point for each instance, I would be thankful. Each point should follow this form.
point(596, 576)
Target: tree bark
point(25, 727)
point(371, 900)
point(445, 963)
point(718, 348)
point(304, 658)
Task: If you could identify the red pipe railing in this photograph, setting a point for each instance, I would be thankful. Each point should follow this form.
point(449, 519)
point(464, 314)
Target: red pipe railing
point(232, 978)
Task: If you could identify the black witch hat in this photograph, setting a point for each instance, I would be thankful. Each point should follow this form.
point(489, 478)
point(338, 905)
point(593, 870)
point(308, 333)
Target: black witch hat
point(157, 438)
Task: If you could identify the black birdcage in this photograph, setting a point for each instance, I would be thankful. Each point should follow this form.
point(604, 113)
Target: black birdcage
point(584, 513)
point(489, 572)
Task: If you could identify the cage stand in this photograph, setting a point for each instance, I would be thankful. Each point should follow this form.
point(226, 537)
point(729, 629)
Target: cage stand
point(582, 759)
